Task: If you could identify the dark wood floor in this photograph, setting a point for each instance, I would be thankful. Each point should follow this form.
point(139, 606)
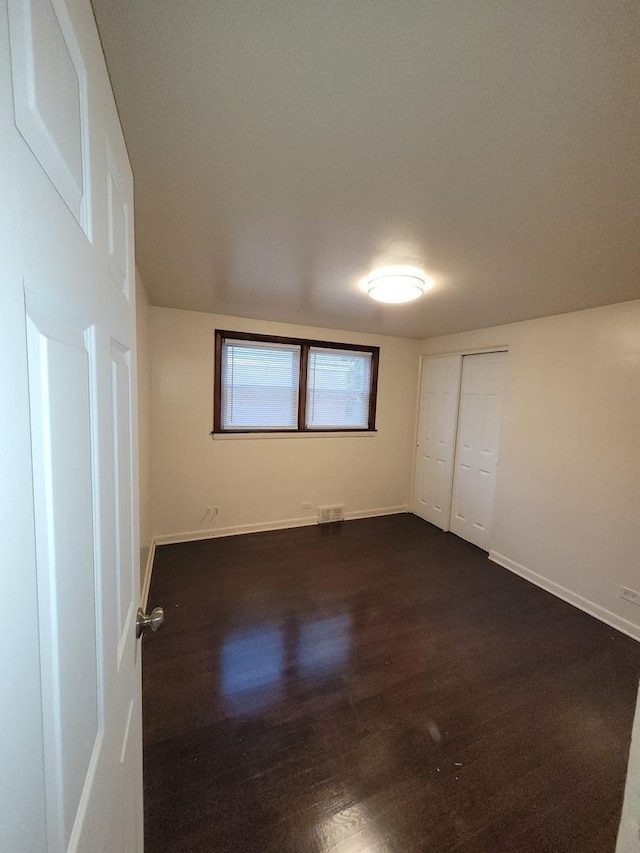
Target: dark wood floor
point(377, 687)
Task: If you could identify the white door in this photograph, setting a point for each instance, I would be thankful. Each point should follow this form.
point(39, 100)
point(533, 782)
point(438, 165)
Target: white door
point(70, 728)
point(478, 438)
point(440, 387)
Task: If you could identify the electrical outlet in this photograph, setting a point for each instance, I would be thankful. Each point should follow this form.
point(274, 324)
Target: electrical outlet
point(630, 595)
point(306, 505)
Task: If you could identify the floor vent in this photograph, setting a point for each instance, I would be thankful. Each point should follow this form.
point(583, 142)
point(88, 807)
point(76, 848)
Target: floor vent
point(327, 514)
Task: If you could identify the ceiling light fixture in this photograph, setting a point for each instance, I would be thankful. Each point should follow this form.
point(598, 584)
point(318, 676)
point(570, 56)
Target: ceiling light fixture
point(397, 284)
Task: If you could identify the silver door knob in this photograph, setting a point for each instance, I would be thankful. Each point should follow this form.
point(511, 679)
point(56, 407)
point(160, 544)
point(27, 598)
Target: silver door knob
point(153, 620)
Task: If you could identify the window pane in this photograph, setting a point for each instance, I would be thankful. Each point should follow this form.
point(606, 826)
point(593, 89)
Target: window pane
point(338, 388)
point(259, 385)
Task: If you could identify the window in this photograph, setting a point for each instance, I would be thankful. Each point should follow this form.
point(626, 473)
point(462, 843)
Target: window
point(259, 385)
point(270, 384)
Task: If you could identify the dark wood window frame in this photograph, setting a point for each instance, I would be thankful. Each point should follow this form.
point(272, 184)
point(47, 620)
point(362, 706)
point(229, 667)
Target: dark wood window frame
point(305, 344)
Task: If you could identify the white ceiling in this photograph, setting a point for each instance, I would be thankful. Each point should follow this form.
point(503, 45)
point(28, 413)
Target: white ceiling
point(283, 148)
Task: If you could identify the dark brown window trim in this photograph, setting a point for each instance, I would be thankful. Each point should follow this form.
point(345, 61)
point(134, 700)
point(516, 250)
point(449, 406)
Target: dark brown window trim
point(305, 344)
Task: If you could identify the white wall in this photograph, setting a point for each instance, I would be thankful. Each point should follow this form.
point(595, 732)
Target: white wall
point(567, 509)
point(261, 482)
point(144, 422)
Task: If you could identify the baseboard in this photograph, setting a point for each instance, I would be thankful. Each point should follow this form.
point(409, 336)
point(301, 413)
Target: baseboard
point(374, 513)
point(261, 527)
point(590, 607)
point(144, 595)
point(237, 530)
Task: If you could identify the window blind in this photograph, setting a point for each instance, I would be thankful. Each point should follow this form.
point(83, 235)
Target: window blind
point(260, 385)
point(338, 388)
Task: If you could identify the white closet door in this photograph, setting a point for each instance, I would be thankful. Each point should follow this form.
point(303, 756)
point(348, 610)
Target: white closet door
point(476, 459)
point(436, 439)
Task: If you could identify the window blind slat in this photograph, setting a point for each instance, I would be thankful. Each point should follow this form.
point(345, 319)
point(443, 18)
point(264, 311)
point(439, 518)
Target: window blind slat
point(338, 389)
point(259, 385)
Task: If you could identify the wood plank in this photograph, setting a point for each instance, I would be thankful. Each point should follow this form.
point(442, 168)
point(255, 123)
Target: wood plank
point(377, 685)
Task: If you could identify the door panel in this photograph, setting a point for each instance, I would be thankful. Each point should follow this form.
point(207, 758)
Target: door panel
point(122, 474)
point(477, 446)
point(67, 337)
point(436, 430)
point(63, 441)
point(129, 809)
point(22, 795)
point(50, 96)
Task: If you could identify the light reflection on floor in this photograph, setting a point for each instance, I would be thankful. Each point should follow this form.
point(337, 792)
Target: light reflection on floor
point(323, 644)
point(350, 831)
point(255, 662)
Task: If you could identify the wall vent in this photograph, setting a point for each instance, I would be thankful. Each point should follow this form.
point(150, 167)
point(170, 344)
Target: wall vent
point(327, 514)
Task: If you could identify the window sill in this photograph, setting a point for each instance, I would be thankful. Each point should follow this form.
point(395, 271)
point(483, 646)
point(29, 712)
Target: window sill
point(245, 436)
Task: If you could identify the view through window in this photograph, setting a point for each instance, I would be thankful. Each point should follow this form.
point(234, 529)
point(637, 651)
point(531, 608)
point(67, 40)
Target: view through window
point(265, 383)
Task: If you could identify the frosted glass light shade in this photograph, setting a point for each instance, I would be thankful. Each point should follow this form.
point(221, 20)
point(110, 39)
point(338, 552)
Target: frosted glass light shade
point(397, 286)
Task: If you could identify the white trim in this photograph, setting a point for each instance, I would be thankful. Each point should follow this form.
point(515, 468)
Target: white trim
point(416, 437)
point(374, 513)
point(237, 530)
point(255, 436)
point(466, 351)
point(144, 595)
point(590, 607)
point(260, 527)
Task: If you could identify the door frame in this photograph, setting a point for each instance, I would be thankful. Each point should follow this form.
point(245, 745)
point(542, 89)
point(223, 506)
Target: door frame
point(423, 358)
